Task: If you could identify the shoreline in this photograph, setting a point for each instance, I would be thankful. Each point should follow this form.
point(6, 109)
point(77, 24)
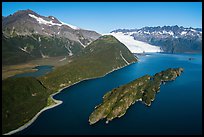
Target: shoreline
point(58, 102)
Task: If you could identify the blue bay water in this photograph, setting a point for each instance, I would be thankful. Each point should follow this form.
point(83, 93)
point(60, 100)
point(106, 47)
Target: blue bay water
point(177, 108)
point(41, 70)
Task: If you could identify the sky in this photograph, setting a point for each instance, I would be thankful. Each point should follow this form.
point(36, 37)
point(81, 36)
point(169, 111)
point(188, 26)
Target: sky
point(104, 17)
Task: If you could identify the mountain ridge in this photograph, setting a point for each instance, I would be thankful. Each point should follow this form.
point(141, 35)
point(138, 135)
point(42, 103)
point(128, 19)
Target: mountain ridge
point(33, 36)
point(172, 39)
point(49, 26)
point(101, 56)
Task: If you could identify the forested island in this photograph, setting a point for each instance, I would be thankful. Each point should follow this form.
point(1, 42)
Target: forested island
point(117, 101)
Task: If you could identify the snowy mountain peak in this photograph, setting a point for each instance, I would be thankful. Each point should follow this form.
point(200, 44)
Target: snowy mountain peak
point(27, 22)
point(20, 12)
point(43, 21)
point(168, 38)
point(51, 17)
point(162, 32)
point(71, 26)
point(50, 20)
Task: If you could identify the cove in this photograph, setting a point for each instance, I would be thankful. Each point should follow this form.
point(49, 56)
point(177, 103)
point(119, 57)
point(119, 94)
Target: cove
point(41, 70)
point(176, 109)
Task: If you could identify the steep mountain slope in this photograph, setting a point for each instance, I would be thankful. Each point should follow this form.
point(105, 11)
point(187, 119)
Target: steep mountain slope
point(101, 56)
point(21, 94)
point(169, 38)
point(22, 98)
point(20, 49)
point(41, 37)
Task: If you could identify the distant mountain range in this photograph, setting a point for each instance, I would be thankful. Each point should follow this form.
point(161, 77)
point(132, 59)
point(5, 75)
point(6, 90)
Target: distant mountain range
point(28, 35)
point(171, 39)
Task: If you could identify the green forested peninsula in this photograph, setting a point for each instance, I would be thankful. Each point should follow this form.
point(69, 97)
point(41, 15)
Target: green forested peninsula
point(24, 97)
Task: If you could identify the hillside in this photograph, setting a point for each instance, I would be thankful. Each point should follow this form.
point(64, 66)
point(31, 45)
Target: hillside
point(33, 36)
point(100, 57)
point(21, 49)
point(22, 98)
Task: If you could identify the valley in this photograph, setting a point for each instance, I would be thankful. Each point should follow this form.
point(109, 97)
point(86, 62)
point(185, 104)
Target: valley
point(91, 66)
point(11, 70)
point(109, 54)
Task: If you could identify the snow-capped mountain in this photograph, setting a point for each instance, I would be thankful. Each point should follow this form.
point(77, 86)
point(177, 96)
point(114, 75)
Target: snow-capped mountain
point(27, 22)
point(28, 35)
point(168, 38)
point(51, 21)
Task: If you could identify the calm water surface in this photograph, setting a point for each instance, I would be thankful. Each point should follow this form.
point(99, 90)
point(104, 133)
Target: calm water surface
point(41, 70)
point(175, 110)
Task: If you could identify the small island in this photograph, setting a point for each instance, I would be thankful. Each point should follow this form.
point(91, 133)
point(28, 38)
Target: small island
point(117, 101)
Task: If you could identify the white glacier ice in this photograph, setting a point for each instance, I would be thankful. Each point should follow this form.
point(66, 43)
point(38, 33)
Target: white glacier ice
point(133, 45)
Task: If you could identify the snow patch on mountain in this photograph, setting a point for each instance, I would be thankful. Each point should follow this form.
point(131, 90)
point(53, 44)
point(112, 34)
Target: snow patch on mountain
point(171, 33)
point(183, 32)
point(24, 49)
point(71, 26)
point(124, 58)
point(42, 21)
point(69, 51)
point(82, 43)
point(50, 23)
point(133, 45)
point(193, 30)
point(168, 32)
point(39, 39)
point(146, 32)
point(63, 59)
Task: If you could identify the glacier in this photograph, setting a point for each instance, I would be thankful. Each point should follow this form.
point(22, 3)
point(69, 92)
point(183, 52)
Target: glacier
point(133, 45)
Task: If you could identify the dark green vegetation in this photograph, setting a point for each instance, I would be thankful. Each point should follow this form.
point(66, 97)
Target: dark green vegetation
point(117, 101)
point(36, 46)
point(22, 98)
point(98, 58)
point(25, 97)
